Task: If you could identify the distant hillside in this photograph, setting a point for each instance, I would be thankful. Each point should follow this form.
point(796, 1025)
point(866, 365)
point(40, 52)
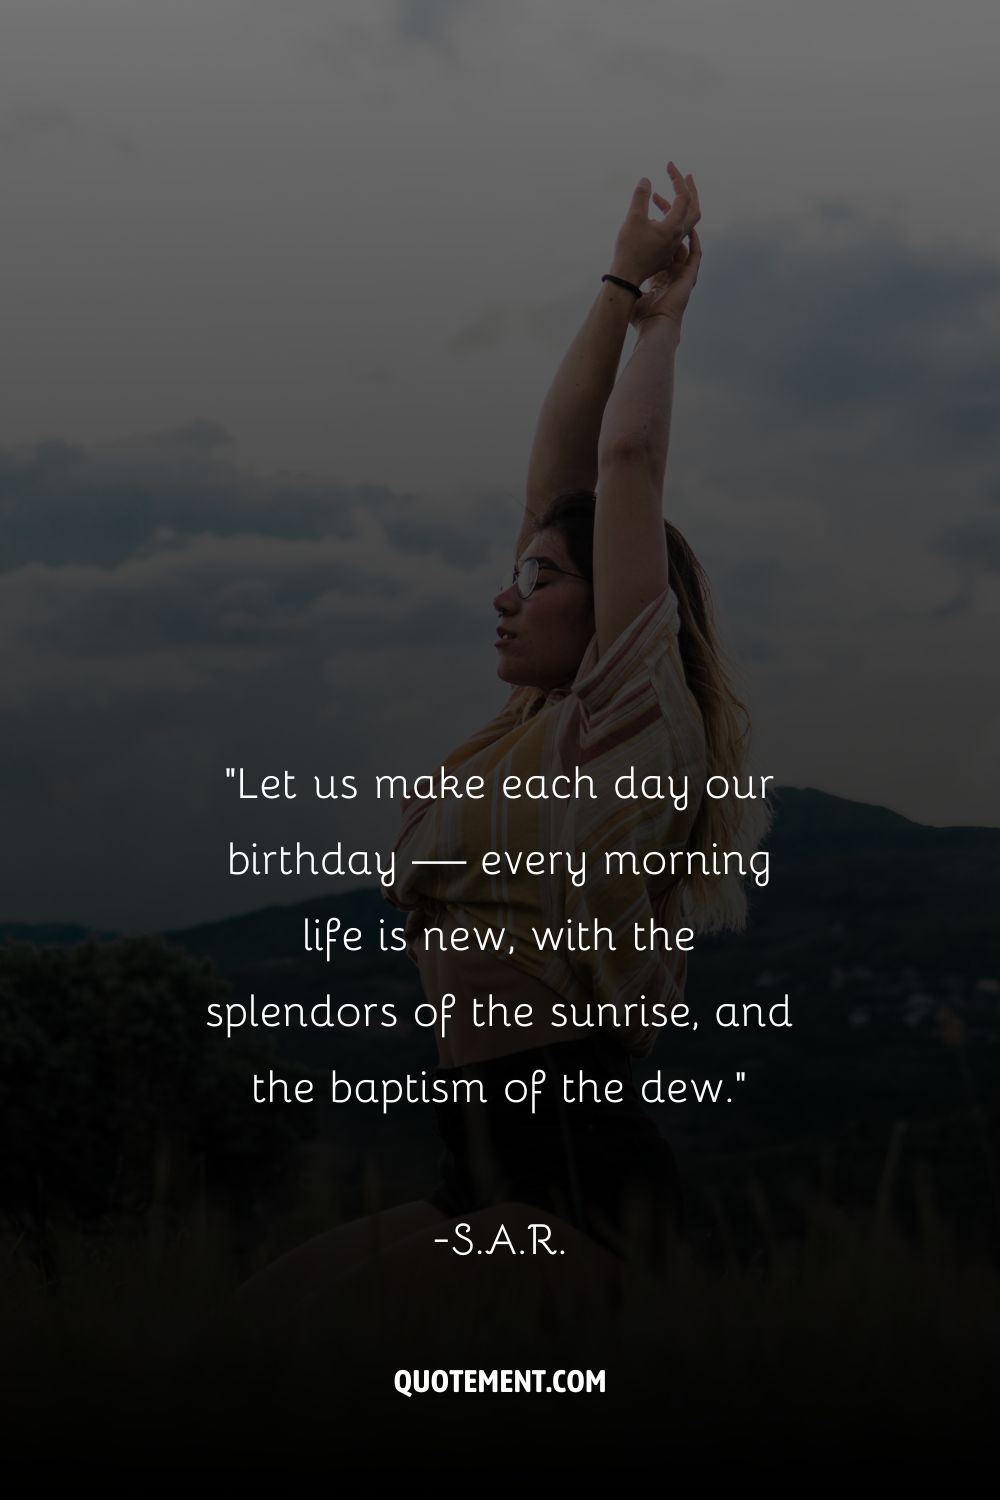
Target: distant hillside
point(877, 928)
point(50, 934)
point(849, 883)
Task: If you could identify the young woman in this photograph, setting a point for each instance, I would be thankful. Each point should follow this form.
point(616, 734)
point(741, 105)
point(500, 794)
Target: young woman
point(606, 639)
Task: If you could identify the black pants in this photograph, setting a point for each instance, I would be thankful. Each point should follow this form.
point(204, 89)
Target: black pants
point(603, 1167)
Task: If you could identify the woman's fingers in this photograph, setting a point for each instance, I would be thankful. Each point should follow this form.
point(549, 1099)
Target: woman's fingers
point(692, 206)
point(684, 185)
point(690, 268)
point(679, 217)
point(681, 190)
point(685, 209)
point(638, 209)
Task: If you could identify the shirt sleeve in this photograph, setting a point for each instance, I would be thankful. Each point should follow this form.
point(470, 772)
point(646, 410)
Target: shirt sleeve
point(633, 655)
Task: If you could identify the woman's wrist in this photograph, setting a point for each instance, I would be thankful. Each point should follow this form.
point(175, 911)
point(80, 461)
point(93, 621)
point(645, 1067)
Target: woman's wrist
point(659, 326)
point(626, 270)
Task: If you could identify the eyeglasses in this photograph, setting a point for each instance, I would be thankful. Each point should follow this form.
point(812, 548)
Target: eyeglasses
point(526, 576)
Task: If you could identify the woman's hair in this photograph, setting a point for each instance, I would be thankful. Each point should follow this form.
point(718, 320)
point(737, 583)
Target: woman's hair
point(709, 903)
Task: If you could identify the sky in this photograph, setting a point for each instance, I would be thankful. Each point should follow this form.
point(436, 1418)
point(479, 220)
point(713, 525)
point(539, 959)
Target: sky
point(285, 285)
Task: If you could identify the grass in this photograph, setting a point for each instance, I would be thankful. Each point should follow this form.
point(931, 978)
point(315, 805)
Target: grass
point(853, 1333)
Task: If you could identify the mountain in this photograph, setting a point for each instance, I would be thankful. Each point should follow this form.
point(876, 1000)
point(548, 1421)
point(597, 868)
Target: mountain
point(882, 932)
point(849, 883)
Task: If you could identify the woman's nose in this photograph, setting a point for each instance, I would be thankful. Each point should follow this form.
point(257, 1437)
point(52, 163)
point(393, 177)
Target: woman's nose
point(507, 599)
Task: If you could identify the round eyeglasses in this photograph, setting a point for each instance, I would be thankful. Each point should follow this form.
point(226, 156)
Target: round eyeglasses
point(526, 576)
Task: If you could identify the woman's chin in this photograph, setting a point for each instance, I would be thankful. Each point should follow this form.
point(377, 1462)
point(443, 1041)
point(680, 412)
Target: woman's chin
point(507, 672)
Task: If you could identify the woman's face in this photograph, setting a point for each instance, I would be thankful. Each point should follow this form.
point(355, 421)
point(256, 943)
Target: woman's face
point(545, 636)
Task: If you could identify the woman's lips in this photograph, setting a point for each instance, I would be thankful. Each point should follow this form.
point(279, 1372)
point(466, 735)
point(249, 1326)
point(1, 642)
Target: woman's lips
point(503, 639)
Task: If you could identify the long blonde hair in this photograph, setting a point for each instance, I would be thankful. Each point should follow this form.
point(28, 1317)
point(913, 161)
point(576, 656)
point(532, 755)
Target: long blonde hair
point(714, 903)
point(708, 903)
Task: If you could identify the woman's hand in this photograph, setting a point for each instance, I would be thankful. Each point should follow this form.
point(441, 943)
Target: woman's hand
point(645, 247)
point(671, 288)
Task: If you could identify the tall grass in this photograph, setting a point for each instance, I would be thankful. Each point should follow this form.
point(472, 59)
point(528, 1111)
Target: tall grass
point(852, 1333)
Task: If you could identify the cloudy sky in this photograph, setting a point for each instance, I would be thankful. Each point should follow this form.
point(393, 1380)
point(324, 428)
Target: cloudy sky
point(285, 282)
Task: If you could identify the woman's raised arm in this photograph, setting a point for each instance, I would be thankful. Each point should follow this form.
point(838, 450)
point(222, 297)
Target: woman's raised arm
point(630, 547)
point(564, 450)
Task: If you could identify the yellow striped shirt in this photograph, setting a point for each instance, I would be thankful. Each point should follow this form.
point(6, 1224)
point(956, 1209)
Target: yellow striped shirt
point(629, 711)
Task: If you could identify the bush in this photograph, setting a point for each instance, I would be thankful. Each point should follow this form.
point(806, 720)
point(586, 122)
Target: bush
point(114, 1095)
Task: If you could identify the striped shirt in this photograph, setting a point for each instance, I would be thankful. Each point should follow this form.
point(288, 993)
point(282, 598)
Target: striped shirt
point(628, 712)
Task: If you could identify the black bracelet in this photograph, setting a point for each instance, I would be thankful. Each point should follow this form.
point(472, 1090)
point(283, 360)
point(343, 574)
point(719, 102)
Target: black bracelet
point(628, 285)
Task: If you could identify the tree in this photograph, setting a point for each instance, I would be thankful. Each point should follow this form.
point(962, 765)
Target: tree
point(114, 1093)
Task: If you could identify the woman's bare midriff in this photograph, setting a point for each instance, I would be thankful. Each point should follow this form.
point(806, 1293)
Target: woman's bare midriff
point(488, 978)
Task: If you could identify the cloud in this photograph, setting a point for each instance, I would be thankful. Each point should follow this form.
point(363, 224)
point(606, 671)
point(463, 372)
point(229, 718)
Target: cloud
point(374, 36)
point(163, 543)
point(550, 321)
point(23, 126)
point(164, 614)
point(171, 614)
point(165, 611)
point(431, 21)
point(617, 61)
point(821, 328)
point(975, 542)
